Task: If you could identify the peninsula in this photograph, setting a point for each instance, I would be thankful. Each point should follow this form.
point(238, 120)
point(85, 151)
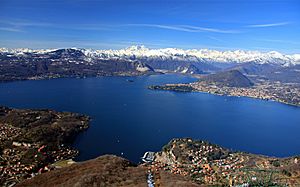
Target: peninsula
point(31, 140)
point(234, 83)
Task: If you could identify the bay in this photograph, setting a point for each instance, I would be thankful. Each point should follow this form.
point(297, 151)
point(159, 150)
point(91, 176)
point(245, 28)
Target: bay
point(129, 119)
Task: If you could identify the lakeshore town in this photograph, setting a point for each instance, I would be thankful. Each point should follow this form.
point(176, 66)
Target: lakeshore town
point(210, 164)
point(288, 93)
point(24, 160)
point(32, 141)
point(276, 91)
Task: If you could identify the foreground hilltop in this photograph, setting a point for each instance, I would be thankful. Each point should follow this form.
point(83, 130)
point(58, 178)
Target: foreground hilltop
point(107, 170)
point(210, 164)
point(182, 162)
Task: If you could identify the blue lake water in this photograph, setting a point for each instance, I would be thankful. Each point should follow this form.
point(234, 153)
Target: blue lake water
point(129, 119)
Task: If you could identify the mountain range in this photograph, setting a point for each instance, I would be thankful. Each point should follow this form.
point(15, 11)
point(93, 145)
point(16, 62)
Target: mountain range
point(175, 54)
point(135, 60)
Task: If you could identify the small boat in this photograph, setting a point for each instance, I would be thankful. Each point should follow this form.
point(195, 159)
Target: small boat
point(129, 80)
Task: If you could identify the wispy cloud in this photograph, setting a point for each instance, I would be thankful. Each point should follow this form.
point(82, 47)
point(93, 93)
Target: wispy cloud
point(184, 28)
point(10, 29)
point(268, 25)
point(24, 23)
point(19, 24)
point(206, 29)
point(281, 41)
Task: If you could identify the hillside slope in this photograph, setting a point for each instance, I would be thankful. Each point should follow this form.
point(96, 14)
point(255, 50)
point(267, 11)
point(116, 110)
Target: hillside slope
point(107, 170)
point(232, 78)
point(64, 63)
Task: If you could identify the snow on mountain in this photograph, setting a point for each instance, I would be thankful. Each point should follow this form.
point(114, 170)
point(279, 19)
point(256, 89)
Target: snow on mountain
point(195, 55)
point(296, 59)
point(142, 68)
point(21, 51)
point(175, 54)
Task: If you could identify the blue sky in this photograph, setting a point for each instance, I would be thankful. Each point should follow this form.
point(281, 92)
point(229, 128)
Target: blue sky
point(263, 25)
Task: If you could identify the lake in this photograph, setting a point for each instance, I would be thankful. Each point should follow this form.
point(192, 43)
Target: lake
point(129, 119)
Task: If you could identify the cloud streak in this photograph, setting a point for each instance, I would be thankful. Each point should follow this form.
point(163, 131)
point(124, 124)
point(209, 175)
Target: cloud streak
point(268, 25)
point(25, 23)
point(14, 25)
point(10, 29)
point(19, 25)
point(184, 28)
point(280, 41)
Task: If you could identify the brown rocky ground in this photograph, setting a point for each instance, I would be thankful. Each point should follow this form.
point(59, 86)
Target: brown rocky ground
point(107, 170)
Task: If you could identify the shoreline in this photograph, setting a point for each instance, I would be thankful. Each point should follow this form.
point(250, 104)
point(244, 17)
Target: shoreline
point(200, 162)
point(49, 77)
point(64, 162)
point(189, 88)
point(33, 140)
point(281, 102)
point(151, 87)
point(97, 76)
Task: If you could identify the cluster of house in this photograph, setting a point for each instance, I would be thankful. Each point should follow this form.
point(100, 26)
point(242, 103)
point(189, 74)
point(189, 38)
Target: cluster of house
point(288, 93)
point(233, 91)
point(268, 91)
point(14, 167)
point(198, 164)
point(174, 168)
point(214, 170)
point(63, 153)
point(7, 132)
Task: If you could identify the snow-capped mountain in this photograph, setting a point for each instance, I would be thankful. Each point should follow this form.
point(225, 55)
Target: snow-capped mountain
point(135, 60)
point(195, 55)
point(22, 51)
point(22, 64)
point(175, 54)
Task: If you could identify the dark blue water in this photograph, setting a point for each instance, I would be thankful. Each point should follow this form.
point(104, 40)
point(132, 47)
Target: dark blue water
point(129, 119)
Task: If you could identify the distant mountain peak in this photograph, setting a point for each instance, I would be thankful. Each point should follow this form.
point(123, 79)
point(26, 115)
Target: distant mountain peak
point(137, 48)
